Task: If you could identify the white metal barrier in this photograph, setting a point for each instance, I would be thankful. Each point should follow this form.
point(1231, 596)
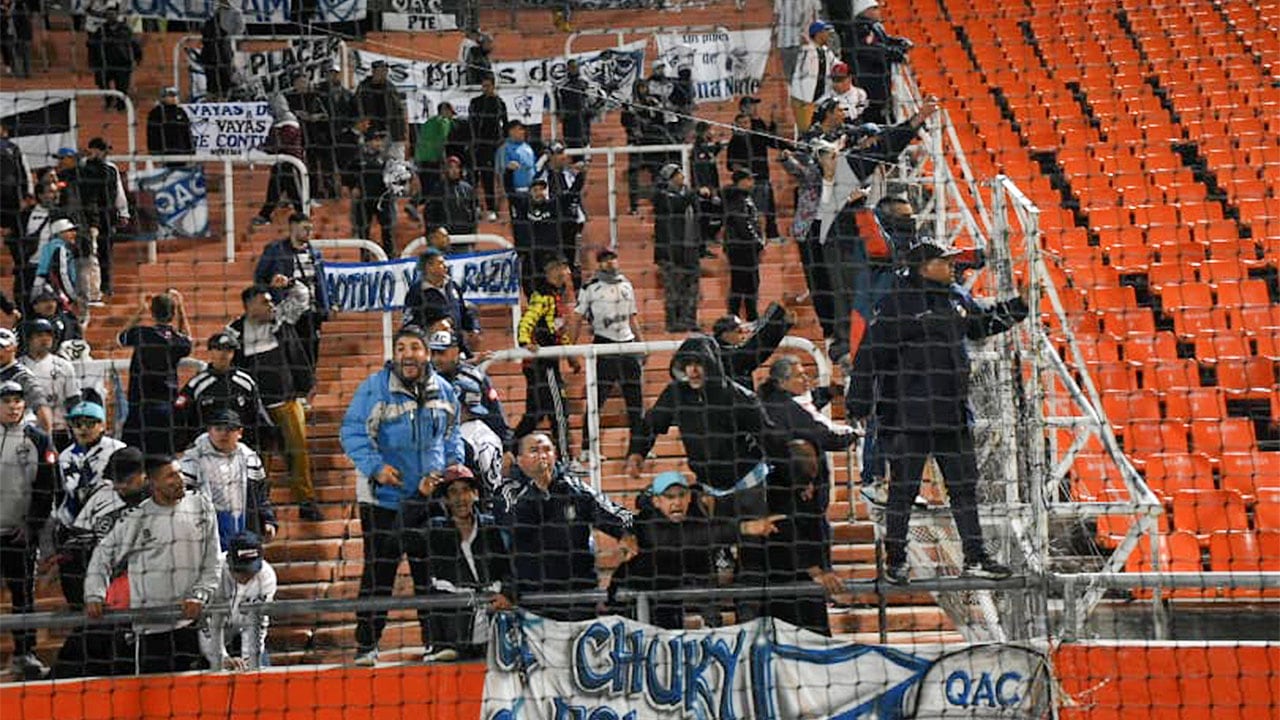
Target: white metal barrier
point(185, 40)
point(611, 164)
point(418, 243)
point(376, 250)
point(228, 194)
point(592, 352)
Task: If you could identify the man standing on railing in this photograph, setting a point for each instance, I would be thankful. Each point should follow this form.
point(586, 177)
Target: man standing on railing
point(608, 304)
point(401, 433)
point(912, 371)
point(170, 546)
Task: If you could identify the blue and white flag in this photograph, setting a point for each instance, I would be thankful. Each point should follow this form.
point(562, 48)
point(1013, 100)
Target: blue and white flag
point(255, 11)
point(486, 278)
point(181, 200)
point(616, 668)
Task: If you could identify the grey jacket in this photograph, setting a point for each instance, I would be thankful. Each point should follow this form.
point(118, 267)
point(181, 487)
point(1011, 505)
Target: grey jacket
point(171, 555)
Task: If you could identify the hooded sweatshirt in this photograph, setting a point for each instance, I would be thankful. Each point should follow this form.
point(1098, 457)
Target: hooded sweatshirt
point(236, 482)
point(720, 423)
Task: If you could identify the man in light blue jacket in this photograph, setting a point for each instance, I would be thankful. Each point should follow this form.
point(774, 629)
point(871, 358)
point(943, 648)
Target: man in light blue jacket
point(401, 432)
point(516, 164)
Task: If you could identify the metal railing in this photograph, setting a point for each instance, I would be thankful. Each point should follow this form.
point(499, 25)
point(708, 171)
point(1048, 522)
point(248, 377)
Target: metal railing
point(611, 164)
point(228, 196)
point(376, 250)
point(130, 113)
point(591, 352)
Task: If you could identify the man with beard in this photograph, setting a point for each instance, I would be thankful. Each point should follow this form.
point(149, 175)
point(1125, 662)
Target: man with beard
point(294, 260)
point(401, 433)
point(56, 375)
point(377, 98)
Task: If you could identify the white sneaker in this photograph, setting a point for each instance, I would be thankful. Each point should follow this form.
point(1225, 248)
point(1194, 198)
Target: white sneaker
point(492, 216)
point(876, 494)
point(368, 658)
point(445, 655)
point(29, 667)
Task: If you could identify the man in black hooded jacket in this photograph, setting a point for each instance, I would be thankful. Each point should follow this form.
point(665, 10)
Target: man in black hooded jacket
point(744, 350)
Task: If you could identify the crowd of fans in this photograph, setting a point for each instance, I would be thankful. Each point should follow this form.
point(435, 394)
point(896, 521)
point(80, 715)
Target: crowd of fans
point(176, 512)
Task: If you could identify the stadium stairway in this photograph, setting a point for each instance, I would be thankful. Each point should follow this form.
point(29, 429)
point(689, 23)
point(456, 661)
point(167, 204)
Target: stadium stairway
point(323, 559)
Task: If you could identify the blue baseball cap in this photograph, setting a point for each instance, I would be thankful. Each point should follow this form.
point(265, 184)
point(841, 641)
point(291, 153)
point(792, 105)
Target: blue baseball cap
point(470, 394)
point(89, 410)
point(66, 152)
point(667, 480)
point(244, 552)
point(818, 26)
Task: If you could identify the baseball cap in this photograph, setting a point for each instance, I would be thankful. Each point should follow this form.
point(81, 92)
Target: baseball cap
point(741, 174)
point(224, 417)
point(123, 464)
point(169, 90)
point(223, 341)
point(470, 394)
point(11, 387)
point(7, 338)
point(413, 331)
point(61, 225)
point(819, 26)
point(37, 326)
point(66, 152)
point(749, 100)
point(669, 171)
point(606, 254)
point(666, 480)
point(378, 64)
point(840, 70)
point(453, 474)
point(440, 340)
point(244, 552)
point(930, 249)
point(89, 410)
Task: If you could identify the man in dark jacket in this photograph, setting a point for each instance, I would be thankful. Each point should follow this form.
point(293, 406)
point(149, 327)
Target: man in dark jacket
point(113, 52)
point(536, 227)
point(799, 489)
point(749, 149)
point(912, 370)
point(677, 548)
point(721, 424)
point(13, 187)
point(872, 53)
point(153, 371)
point(676, 248)
point(219, 386)
point(565, 182)
point(551, 517)
point(451, 203)
point(487, 119)
point(706, 181)
point(437, 296)
point(573, 107)
point(103, 207)
point(742, 244)
point(312, 111)
point(645, 124)
point(366, 179)
point(169, 127)
point(293, 260)
point(744, 350)
point(483, 566)
point(377, 98)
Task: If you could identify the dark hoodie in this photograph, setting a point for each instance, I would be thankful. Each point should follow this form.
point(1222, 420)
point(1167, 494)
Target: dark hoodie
point(742, 360)
point(675, 237)
point(720, 424)
point(915, 351)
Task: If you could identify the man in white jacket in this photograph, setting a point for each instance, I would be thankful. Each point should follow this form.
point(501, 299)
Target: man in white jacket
point(810, 81)
point(170, 547)
point(232, 476)
point(247, 580)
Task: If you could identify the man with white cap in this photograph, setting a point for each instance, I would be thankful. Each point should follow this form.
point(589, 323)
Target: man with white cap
point(28, 478)
point(56, 265)
point(809, 81)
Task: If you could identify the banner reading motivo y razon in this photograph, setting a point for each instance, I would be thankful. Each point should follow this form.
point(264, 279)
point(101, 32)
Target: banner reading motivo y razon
point(490, 278)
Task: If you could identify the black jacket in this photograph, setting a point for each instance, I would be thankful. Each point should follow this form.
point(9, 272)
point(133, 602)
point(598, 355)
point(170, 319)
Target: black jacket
point(742, 218)
point(487, 117)
point(424, 306)
point(706, 168)
point(551, 532)
point(492, 556)
point(536, 226)
point(567, 195)
point(169, 131)
point(113, 47)
point(873, 55)
point(720, 424)
point(675, 237)
point(282, 374)
point(209, 391)
point(742, 360)
point(347, 146)
point(384, 104)
point(366, 174)
point(645, 122)
point(453, 205)
point(913, 368)
point(751, 150)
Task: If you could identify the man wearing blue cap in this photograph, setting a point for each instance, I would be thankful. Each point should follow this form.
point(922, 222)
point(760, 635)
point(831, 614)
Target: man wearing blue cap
point(83, 465)
point(810, 81)
point(678, 544)
point(247, 580)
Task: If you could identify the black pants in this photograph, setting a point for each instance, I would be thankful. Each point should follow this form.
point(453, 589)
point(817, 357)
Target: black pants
point(308, 328)
point(428, 179)
point(104, 78)
point(363, 213)
point(96, 651)
point(744, 278)
point(482, 160)
point(150, 427)
point(635, 164)
point(576, 129)
point(386, 539)
point(953, 451)
point(106, 245)
point(545, 398)
point(322, 168)
point(18, 568)
point(168, 652)
point(283, 183)
point(818, 279)
point(763, 195)
point(626, 372)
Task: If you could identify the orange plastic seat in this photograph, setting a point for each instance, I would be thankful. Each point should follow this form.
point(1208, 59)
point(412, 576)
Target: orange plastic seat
point(1160, 275)
point(1113, 528)
point(1240, 293)
point(1222, 346)
point(1122, 406)
point(1191, 323)
point(1215, 271)
point(1093, 475)
point(1186, 295)
point(1214, 437)
point(1112, 376)
point(1237, 552)
point(1268, 342)
point(1167, 473)
point(1195, 404)
point(1205, 512)
point(1145, 348)
point(1178, 552)
point(1266, 511)
point(1127, 323)
point(1250, 377)
point(1245, 472)
point(1170, 375)
point(1148, 437)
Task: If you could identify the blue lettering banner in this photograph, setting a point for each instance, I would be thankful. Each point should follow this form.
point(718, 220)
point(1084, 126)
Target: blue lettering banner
point(616, 668)
point(181, 200)
point(491, 278)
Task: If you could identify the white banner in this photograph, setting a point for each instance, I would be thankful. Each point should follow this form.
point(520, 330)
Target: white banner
point(427, 15)
point(270, 69)
point(228, 128)
point(255, 11)
point(486, 278)
point(181, 200)
point(618, 669)
point(725, 64)
point(41, 123)
point(523, 84)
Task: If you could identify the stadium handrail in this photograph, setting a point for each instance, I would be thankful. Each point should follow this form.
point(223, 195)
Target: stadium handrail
point(611, 153)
